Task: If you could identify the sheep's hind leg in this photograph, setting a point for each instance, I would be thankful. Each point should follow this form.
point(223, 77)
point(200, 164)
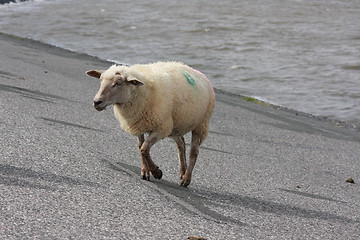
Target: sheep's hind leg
point(147, 164)
point(196, 140)
point(180, 143)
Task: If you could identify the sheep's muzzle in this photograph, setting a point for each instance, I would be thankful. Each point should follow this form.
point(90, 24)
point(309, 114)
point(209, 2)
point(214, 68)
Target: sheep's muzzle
point(98, 105)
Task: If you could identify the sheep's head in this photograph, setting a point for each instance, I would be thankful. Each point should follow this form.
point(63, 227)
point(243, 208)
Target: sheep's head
point(116, 87)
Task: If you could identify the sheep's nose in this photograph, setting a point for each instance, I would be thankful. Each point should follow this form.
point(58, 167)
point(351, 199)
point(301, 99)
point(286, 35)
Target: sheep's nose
point(97, 103)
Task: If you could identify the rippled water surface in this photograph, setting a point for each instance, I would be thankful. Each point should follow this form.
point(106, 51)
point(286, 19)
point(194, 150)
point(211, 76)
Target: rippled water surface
point(300, 54)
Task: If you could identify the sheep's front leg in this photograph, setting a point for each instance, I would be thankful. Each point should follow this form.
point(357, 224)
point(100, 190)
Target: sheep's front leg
point(147, 164)
point(180, 143)
point(145, 172)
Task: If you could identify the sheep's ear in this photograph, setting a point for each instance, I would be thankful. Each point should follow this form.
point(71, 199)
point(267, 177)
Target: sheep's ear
point(95, 73)
point(135, 82)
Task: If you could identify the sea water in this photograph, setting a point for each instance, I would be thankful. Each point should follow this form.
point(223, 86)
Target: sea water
point(300, 54)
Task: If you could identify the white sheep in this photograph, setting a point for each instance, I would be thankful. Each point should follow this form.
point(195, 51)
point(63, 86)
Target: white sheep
point(164, 99)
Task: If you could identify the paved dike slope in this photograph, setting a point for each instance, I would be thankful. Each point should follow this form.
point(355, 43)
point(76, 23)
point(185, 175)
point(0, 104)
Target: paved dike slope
point(68, 171)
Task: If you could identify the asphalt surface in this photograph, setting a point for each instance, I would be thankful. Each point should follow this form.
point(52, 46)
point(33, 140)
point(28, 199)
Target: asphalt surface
point(70, 172)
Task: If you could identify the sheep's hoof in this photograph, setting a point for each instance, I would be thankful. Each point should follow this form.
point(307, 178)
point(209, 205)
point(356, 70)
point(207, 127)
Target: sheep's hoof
point(145, 177)
point(158, 174)
point(184, 183)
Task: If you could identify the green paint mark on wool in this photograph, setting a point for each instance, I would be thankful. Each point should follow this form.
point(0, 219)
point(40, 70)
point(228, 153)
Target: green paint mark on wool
point(189, 79)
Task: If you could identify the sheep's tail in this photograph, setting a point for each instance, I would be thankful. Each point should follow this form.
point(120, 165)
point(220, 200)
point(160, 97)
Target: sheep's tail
point(203, 129)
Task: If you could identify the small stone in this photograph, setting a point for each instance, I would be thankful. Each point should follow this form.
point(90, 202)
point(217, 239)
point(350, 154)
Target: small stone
point(350, 180)
point(297, 186)
point(196, 238)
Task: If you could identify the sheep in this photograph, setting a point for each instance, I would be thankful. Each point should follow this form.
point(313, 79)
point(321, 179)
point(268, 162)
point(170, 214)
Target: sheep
point(163, 99)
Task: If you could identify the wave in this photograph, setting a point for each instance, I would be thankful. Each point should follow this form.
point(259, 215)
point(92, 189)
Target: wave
point(13, 3)
point(351, 67)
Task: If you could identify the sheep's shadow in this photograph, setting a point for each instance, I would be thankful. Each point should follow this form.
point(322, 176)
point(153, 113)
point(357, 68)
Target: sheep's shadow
point(205, 200)
point(186, 197)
